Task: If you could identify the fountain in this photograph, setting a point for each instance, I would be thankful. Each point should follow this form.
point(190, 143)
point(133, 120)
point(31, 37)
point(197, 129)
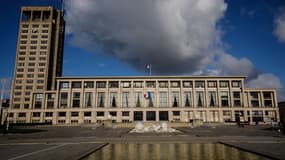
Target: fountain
point(157, 128)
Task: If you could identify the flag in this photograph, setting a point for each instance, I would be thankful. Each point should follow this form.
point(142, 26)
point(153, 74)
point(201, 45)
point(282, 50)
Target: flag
point(147, 95)
point(147, 66)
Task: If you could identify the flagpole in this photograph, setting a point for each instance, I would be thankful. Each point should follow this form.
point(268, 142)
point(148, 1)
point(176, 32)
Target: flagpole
point(149, 69)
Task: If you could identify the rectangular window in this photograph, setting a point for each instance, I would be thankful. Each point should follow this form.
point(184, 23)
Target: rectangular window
point(22, 114)
point(224, 99)
point(100, 99)
point(150, 84)
point(138, 115)
point(200, 98)
point(63, 99)
point(224, 84)
point(126, 84)
point(267, 96)
point(87, 114)
point(150, 115)
point(76, 99)
point(212, 99)
point(126, 99)
point(125, 114)
point(50, 100)
point(38, 101)
point(175, 99)
point(64, 85)
point(254, 99)
point(138, 99)
point(163, 99)
point(36, 114)
point(101, 84)
point(212, 84)
point(236, 84)
point(61, 114)
point(236, 97)
point(74, 114)
point(100, 114)
point(175, 84)
point(187, 99)
point(88, 100)
point(113, 84)
point(199, 84)
point(113, 99)
point(48, 114)
point(163, 84)
point(88, 84)
point(138, 84)
point(76, 84)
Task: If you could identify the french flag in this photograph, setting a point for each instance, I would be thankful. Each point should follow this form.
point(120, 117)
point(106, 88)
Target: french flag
point(147, 95)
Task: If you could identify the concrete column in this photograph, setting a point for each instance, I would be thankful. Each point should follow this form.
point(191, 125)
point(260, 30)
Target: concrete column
point(156, 116)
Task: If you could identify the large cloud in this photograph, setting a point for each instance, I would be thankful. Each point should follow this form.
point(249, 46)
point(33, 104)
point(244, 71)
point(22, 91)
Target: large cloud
point(175, 36)
point(280, 26)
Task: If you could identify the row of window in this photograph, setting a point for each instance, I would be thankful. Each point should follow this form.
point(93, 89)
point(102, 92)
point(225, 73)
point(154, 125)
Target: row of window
point(25, 36)
point(36, 16)
point(34, 30)
point(138, 99)
point(41, 53)
point(33, 47)
point(34, 42)
point(150, 84)
point(30, 70)
point(19, 75)
point(35, 25)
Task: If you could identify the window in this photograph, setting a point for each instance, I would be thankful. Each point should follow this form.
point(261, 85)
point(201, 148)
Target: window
point(113, 99)
point(20, 70)
point(126, 84)
point(61, 114)
point(176, 113)
point(187, 84)
point(63, 99)
point(38, 101)
point(22, 114)
point(42, 58)
point(175, 99)
point(33, 47)
point(45, 31)
point(44, 36)
point(126, 99)
point(113, 114)
point(48, 114)
point(41, 70)
point(267, 99)
point(150, 84)
point(36, 114)
point(87, 114)
point(33, 42)
point(100, 99)
point(224, 99)
point(138, 84)
point(43, 47)
point(163, 84)
point(199, 84)
point(32, 53)
point(88, 99)
point(31, 64)
point(76, 84)
point(101, 84)
point(200, 98)
point(34, 37)
point(224, 84)
point(212, 98)
point(21, 64)
point(138, 115)
point(74, 114)
point(236, 97)
point(187, 99)
point(125, 114)
point(138, 99)
point(113, 84)
point(50, 100)
point(212, 84)
point(42, 64)
point(31, 69)
point(64, 85)
point(45, 25)
point(163, 99)
point(76, 99)
point(89, 84)
point(100, 114)
point(236, 84)
point(150, 115)
point(254, 99)
point(175, 84)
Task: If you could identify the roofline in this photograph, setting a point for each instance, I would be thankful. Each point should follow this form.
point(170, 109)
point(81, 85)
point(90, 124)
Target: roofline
point(147, 77)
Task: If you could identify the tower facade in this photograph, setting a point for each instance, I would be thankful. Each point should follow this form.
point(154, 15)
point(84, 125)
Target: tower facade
point(39, 54)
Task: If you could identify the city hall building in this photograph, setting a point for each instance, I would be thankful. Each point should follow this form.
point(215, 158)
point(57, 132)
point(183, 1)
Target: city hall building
point(41, 95)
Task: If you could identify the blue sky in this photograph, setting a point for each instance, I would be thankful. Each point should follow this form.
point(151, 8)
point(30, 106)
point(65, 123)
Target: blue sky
point(245, 31)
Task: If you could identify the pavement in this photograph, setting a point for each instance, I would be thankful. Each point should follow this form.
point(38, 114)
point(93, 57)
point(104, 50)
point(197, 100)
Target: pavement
point(75, 142)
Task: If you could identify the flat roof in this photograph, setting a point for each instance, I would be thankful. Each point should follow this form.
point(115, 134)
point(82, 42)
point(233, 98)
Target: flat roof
point(150, 77)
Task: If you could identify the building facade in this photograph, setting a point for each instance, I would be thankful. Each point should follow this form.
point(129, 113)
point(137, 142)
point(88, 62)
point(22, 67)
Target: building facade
point(38, 55)
point(40, 95)
point(78, 100)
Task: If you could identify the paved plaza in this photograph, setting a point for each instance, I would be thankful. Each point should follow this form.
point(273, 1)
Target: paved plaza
point(75, 142)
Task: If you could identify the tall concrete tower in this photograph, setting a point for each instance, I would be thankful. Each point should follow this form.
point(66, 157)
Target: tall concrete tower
point(39, 54)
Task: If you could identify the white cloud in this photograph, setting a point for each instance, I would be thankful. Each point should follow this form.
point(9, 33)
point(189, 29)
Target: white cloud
point(5, 84)
point(174, 36)
point(279, 29)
